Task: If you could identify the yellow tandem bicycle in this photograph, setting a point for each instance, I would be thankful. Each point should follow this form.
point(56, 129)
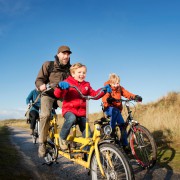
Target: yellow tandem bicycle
point(105, 160)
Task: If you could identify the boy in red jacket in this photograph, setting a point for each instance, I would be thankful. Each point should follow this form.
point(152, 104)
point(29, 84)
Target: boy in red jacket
point(74, 106)
point(113, 109)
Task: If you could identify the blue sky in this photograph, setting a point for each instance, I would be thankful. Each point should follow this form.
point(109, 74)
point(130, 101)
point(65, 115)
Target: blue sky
point(137, 39)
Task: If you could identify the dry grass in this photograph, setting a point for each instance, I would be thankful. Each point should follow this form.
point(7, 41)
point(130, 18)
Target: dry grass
point(162, 115)
point(15, 123)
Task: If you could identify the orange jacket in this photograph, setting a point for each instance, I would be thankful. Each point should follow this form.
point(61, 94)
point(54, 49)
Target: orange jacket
point(116, 93)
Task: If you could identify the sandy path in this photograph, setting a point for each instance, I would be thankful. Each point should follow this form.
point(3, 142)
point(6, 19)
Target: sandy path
point(67, 170)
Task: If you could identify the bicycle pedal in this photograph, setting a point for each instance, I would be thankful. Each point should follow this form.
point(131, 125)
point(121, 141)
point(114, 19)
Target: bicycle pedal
point(69, 147)
point(78, 155)
point(89, 173)
point(47, 163)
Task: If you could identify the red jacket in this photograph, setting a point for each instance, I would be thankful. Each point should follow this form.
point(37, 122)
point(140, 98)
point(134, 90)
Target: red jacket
point(72, 101)
point(116, 93)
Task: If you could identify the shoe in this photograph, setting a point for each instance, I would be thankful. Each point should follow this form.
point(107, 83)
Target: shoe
point(42, 150)
point(85, 158)
point(127, 149)
point(63, 144)
point(73, 145)
point(112, 135)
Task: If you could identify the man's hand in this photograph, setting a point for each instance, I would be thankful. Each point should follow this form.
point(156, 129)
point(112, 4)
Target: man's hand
point(42, 87)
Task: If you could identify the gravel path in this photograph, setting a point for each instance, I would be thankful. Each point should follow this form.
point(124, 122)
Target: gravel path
point(67, 170)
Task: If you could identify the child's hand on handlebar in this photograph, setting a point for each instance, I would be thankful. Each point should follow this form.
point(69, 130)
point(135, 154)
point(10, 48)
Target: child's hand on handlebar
point(138, 98)
point(110, 100)
point(107, 89)
point(64, 85)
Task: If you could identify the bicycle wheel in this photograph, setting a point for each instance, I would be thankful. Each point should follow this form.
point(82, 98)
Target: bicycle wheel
point(34, 139)
point(114, 162)
point(51, 149)
point(36, 133)
point(143, 146)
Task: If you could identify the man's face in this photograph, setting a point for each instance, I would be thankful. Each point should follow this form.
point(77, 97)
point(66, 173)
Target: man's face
point(63, 57)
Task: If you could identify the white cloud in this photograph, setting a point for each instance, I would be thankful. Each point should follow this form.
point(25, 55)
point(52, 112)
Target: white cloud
point(12, 114)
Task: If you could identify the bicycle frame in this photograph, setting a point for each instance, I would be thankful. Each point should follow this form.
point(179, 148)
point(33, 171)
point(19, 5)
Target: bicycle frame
point(129, 120)
point(101, 156)
point(93, 142)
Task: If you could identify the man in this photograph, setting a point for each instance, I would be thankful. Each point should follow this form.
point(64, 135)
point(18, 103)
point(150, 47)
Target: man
point(51, 74)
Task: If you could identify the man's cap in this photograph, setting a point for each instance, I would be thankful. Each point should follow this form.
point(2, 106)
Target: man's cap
point(64, 49)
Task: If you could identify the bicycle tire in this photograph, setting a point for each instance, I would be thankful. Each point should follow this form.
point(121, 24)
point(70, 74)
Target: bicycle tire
point(121, 168)
point(36, 133)
point(143, 146)
point(33, 139)
point(51, 148)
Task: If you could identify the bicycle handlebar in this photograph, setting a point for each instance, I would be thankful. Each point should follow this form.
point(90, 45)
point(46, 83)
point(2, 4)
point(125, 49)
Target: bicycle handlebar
point(50, 86)
point(87, 97)
point(126, 100)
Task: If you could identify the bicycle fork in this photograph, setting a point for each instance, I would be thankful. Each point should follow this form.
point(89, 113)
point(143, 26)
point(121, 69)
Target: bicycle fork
point(98, 156)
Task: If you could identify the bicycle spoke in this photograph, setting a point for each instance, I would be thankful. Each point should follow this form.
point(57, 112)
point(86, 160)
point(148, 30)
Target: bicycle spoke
point(114, 164)
point(143, 146)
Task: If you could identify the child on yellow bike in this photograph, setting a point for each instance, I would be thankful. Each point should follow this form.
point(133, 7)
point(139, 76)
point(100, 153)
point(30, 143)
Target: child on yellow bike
point(113, 109)
point(74, 106)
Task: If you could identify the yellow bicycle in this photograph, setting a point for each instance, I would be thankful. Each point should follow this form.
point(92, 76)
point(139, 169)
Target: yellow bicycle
point(104, 158)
